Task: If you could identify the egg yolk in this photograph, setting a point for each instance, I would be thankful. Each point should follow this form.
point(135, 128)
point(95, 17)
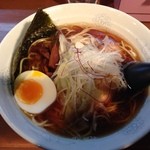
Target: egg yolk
point(37, 74)
point(29, 91)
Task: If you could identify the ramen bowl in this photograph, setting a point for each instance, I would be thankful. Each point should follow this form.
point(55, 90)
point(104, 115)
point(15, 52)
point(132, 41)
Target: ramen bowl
point(110, 20)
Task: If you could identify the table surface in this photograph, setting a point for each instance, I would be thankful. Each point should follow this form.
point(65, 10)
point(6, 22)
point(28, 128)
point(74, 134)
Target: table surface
point(12, 12)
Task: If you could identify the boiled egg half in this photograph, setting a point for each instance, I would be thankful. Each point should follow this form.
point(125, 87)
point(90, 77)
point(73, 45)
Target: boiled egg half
point(34, 91)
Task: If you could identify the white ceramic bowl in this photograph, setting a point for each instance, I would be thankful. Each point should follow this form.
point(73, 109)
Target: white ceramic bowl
point(109, 19)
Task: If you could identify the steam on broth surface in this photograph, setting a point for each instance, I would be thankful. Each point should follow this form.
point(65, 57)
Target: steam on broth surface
point(85, 65)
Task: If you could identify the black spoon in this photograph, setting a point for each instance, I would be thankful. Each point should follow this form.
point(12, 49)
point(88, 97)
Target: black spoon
point(137, 75)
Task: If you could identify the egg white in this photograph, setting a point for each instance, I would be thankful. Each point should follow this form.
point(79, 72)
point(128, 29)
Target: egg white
point(48, 96)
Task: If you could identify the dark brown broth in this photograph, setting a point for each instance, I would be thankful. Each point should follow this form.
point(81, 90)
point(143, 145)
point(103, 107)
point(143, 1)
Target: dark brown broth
point(128, 105)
